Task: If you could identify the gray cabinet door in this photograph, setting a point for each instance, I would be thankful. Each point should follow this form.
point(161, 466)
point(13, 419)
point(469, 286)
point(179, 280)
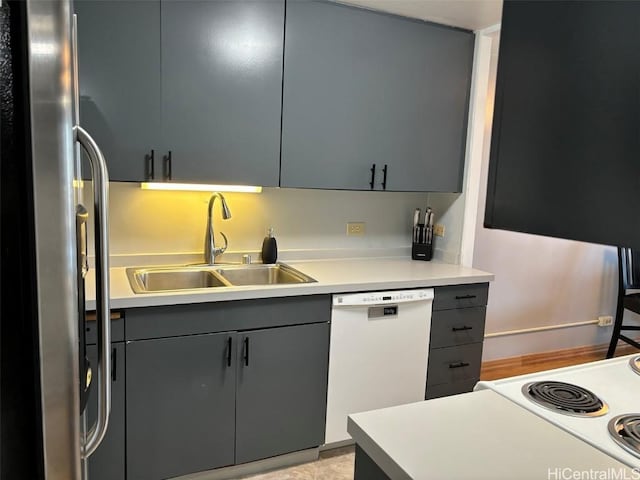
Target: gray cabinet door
point(180, 405)
point(107, 463)
point(221, 90)
point(282, 390)
point(119, 74)
point(362, 88)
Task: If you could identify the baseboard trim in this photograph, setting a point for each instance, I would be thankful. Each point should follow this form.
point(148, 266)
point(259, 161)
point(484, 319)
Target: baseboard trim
point(571, 356)
point(252, 468)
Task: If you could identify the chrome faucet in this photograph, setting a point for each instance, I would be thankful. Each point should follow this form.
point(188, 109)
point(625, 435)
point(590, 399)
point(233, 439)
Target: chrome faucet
point(210, 249)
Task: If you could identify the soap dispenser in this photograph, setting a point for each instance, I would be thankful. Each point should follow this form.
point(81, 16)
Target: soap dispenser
point(269, 248)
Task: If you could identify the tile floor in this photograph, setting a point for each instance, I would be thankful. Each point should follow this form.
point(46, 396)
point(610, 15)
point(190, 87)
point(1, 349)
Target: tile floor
point(334, 464)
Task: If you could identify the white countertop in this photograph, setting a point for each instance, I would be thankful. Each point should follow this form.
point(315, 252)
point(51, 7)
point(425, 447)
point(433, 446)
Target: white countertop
point(477, 435)
point(333, 276)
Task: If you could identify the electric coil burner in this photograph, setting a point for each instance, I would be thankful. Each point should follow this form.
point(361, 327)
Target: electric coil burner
point(565, 398)
point(616, 379)
point(625, 431)
point(635, 364)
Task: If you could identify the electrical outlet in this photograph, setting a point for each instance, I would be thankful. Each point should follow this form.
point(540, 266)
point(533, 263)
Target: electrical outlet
point(605, 320)
point(355, 228)
point(438, 230)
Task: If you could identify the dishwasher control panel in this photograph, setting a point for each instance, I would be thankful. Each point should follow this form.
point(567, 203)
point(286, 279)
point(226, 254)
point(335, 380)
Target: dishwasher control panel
point(383, 298)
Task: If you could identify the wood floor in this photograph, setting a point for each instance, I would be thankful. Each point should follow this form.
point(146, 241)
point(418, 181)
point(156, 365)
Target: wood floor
point(538, 362)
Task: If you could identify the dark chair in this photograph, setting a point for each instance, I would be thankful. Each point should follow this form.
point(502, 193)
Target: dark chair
point(628, 279)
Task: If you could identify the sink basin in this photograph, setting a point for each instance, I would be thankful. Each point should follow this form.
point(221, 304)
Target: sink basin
point(276, 274)
point(147, 280)
point(163, 279)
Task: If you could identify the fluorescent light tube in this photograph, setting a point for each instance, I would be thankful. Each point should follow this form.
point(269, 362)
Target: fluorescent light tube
point(199, 187)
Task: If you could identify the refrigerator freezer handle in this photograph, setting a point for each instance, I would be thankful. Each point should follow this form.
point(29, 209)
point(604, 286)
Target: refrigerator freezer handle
point(100, 180)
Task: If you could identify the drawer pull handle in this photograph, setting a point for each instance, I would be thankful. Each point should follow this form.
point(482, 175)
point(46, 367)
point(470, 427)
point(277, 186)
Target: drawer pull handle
point(458, 365)
point(229, 348)
point(246, 351)
point(373, 176)
point(465, 297)
point(459, 329)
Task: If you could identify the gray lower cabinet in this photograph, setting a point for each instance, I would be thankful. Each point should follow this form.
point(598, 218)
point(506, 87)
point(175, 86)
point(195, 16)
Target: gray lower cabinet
point(108, 461)
point(281, 391)
point(198, 401)
point(363, 88)
point(456, 339)
point(119, 75)
point(180, 405)
point(221, 90)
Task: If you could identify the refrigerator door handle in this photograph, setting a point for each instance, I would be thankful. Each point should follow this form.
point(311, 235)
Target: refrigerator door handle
point(103, 315)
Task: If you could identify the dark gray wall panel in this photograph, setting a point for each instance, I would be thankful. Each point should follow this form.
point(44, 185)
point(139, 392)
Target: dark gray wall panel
point(221, 89)
point(282, 392)
point(180, 406)
point(566, 129)
point(363, 87)
point(108, 461)
point(158, 322)
point(119, 66)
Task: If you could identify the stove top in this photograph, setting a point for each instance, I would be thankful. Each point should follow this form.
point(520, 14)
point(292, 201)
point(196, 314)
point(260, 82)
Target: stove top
point(625, 431)
point(635, 364)
point(565, 398)
point(610, 382)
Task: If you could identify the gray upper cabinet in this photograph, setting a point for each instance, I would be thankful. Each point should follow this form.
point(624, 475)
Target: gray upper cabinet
point(180, 405)
point(364, 88)
point(282, 390)
point(119, 75)
point(221, 90)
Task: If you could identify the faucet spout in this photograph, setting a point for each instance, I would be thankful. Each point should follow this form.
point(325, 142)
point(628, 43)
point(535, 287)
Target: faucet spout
point(210, 249)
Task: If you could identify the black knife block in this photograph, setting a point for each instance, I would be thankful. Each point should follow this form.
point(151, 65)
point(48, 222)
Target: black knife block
point(422, 251)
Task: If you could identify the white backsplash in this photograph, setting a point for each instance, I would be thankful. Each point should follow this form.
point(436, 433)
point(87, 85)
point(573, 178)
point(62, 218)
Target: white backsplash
point(144, 222)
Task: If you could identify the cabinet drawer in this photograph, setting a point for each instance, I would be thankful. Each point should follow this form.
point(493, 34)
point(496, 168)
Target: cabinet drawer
point(91, 332)
point(461, 296)
point(446, 389)
point(457, 327)
point(454, 364)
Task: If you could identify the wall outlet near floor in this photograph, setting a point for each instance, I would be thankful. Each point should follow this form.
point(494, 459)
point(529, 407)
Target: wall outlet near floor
point(438, 230)
point(355, 228)
point(605, 320)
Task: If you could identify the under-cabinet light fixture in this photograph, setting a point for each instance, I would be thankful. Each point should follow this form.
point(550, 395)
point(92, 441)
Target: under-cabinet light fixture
point(199, 187)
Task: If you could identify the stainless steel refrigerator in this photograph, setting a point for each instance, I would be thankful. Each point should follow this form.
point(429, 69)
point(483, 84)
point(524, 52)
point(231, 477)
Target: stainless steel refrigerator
point(45, 376)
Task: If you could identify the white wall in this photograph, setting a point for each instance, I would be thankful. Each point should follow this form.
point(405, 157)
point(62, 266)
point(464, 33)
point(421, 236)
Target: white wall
point(540, 282)
point(157, 222)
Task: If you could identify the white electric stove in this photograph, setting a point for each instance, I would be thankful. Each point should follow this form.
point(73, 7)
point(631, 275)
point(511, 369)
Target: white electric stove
point(597, 402)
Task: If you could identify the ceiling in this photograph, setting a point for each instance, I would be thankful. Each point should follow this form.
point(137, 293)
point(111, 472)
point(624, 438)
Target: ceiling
point(470, 14)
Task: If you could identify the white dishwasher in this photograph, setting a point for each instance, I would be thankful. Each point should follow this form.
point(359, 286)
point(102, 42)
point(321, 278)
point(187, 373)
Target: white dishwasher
point(378, 354)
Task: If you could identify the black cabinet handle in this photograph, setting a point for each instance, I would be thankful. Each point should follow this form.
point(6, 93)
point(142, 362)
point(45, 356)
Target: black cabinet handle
point(458, 365)
point(464, 297)
point(246, 351)
point(384, 177)
point(373, 176)
point(151, 165)
point(459, 329)
point(167, 166)
point(114, 365)
point(229, 340)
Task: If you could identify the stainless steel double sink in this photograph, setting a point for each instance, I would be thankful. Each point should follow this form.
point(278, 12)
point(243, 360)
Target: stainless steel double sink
point(162, 279)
